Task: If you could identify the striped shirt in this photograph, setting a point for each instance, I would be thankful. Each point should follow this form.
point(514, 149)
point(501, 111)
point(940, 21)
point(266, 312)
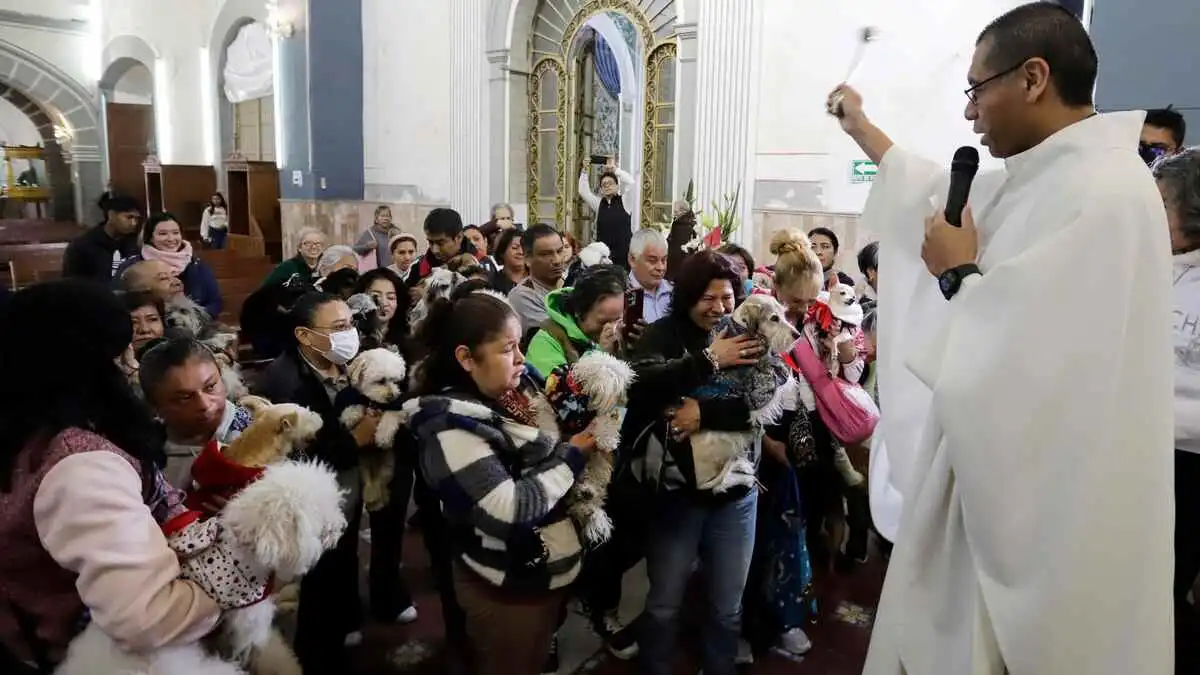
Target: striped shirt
point(501, 484)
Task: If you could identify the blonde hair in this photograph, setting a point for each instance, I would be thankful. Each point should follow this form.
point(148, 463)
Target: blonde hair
point(794, 259)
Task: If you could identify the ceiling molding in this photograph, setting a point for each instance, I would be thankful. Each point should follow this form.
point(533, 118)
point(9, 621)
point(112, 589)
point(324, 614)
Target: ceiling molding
point(22, 20)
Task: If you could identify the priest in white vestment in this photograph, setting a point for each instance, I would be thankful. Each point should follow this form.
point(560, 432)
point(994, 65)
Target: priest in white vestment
point(1026, 379)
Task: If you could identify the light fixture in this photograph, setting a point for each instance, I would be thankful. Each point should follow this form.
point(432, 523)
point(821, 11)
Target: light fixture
point(162, 111)
point(207, 106)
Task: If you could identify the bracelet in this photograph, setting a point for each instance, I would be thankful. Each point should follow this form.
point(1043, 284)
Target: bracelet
point(712, 358)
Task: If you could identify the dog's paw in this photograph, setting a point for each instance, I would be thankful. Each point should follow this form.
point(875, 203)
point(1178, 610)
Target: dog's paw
point(598, 528)
point(351, 416)
point(607, 431)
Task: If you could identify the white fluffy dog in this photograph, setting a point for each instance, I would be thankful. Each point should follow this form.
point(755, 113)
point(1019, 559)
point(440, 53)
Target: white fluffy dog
point(377, 375)
point(275, 529)
point(767, 387)
point(589, 395)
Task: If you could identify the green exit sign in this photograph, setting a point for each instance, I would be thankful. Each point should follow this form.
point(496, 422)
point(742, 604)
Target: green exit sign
point(863, 171)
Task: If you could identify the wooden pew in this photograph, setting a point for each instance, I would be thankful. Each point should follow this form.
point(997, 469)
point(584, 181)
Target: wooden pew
point(38, 231)
point(29, 263)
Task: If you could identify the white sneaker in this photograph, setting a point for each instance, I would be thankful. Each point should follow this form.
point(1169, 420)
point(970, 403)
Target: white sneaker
point(409, 615)
point(354, 639)
point(795, 642)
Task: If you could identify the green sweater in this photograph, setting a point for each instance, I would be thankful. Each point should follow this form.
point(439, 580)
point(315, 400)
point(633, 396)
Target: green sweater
point(560, 340)
point(284, 271)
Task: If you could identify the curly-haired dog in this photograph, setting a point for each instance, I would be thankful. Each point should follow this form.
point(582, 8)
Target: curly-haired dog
point(376, 383)
point(767, 387)
point(590, 395)
point(273, 531)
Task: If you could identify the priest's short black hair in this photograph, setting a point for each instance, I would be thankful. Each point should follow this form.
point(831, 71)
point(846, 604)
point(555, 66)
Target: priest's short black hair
point(1048, 31)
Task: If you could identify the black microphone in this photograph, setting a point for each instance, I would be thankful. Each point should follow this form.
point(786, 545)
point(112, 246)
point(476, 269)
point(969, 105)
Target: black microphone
point(962, 172)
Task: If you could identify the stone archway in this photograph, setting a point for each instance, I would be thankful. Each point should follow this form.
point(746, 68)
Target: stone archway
point(234, 15)
point(67, 119)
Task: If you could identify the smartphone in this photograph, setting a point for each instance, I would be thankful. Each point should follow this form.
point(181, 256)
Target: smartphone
point(635, 298)
point(599, 160)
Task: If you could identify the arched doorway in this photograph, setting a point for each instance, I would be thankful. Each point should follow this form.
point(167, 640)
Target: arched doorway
point(127, 94)
point(601, 82)
point(66, 121)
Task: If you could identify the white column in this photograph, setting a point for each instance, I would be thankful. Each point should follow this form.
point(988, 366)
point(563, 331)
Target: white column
point(497, 126)
point(727, 75)
point(685, 108)
point(468, 113)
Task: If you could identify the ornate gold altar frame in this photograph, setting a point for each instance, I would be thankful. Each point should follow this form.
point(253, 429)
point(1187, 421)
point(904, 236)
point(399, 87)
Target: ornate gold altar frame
point(657, 52)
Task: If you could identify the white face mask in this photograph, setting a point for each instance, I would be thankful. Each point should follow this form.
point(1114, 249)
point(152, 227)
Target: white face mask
point(343, 346)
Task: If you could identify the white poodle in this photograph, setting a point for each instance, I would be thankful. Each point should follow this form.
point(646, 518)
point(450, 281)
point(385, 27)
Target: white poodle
point(377, 376)
point(271, 532)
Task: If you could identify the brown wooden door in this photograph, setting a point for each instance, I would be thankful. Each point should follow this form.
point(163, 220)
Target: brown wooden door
point(130, 130)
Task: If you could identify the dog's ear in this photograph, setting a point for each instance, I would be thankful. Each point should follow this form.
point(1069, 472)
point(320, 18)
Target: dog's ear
point(254, 405)
point(287, 422)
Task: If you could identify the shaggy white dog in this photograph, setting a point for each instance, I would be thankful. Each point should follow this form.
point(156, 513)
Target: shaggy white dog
point(589, 395)
point(276, 528)
point(378, 377)
point(719, 456)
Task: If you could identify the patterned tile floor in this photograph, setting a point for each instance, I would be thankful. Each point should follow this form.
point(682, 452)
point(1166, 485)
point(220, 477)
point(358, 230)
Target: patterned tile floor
point(839, 638)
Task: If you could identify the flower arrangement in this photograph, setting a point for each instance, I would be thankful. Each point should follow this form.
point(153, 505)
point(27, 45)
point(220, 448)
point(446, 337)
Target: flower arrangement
point(716, 226)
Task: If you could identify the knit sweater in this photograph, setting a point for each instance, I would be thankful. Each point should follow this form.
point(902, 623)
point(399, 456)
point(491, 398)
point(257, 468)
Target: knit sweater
point(501, 484)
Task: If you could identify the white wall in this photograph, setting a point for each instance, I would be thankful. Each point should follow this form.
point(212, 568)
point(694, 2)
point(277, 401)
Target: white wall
point(912, 79)
point(15, 127)
point(406, 100)
point(135, 86)
point(176, 30)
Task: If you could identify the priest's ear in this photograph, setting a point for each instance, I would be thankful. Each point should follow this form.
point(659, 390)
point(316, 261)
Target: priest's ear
point(1035, 74)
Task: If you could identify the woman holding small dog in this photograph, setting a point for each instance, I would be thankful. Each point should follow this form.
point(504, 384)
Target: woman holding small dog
point(581, 318)
point(674, 358)
point(81, 499)
point(501, 481)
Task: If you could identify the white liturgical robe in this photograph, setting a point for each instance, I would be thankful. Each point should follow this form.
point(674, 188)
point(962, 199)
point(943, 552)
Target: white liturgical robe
point(1028, 421)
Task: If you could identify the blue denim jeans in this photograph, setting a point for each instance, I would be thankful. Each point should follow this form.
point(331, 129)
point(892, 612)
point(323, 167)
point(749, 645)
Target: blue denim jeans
point(723, 537)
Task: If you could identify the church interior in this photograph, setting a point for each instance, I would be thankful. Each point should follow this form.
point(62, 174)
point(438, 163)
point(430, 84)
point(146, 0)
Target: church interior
point(308, 117)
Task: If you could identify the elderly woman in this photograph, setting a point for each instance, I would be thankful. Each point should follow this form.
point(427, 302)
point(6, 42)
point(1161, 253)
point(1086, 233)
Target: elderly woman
point(81, 499)
point(334, 258)
point(304, 263)
point(1178, 179)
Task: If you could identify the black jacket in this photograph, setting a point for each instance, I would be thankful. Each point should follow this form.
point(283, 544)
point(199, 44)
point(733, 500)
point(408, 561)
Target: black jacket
point(670, 367)
point(290, 380)
point(91, 255)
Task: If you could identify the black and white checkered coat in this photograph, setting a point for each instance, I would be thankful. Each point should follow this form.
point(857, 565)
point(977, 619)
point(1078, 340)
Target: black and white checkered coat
point(501, 484)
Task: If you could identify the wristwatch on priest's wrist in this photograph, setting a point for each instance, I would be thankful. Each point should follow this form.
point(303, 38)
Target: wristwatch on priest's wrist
point(951, 280)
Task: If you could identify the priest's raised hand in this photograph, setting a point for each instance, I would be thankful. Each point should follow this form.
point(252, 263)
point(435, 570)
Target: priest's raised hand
point(947, 246)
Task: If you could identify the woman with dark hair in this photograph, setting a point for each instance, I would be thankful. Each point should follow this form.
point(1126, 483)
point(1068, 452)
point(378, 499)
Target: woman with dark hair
point(390, 599)
point(162, 240)
point(80, 488)
point(742, 262)
point(674, 358)
point(500, 481)
point(214, 224)
point(311, 373)
point(510, 261)
point(391, 297)
point(584, 317)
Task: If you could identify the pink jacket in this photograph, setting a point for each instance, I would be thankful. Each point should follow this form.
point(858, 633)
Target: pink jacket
point(78, 536)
